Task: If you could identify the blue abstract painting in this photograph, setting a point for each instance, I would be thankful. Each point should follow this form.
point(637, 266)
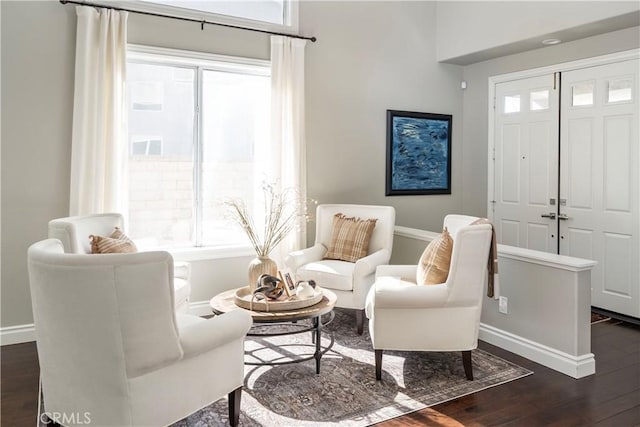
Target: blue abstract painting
point(418, 153)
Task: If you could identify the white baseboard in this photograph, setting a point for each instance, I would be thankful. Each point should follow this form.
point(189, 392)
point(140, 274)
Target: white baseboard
point(27, 333)
point(17, 334)
point(573, 366)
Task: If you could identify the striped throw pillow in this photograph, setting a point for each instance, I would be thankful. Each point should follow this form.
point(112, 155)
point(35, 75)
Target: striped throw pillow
point(433, 267)
point(116, 243)
point(350, 238)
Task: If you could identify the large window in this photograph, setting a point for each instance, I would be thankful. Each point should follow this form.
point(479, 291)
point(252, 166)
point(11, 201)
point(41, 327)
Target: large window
point(199, 144)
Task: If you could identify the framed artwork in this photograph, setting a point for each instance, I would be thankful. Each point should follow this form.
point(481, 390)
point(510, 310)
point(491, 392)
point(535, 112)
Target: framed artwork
point(291, 287)
point(418, 153)
point(287, 283)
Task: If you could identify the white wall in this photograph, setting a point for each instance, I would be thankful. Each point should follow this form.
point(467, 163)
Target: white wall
point(38, 54)
point(38, 42)
point(472, 31)
point(548, 302)
point(475, 99)
point(370, 57)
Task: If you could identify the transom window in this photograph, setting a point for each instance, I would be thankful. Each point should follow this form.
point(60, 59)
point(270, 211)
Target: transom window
point(272, 12)
point(201, 147)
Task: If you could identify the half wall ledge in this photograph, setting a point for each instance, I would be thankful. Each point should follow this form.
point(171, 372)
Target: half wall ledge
point(548, 319)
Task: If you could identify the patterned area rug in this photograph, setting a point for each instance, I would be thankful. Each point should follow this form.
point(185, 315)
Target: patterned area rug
point(346, 391)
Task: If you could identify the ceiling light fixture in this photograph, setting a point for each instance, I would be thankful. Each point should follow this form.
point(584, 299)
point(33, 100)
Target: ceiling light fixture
point(550, 42)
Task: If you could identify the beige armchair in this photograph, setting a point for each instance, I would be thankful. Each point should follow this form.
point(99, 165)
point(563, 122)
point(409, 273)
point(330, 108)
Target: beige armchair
point(350, 281)
point(111, 346)
point(439, 317)
point(74, 233)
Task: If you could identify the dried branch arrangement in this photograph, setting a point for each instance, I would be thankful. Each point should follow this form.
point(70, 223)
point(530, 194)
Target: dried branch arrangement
point(283, 212)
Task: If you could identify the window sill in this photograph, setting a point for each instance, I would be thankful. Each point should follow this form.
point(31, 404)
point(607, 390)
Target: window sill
point(210, 253)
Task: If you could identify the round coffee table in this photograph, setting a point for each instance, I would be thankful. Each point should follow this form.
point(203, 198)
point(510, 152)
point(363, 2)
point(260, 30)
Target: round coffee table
point(225, 302)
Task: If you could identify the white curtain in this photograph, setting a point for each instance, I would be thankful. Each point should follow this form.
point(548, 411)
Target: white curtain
point(99, 149)
point(287, 126)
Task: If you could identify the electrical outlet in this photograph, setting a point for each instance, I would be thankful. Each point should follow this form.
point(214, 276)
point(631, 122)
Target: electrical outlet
point(502, 305)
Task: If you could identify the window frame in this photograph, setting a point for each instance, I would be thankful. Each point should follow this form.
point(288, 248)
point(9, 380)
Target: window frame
point(291, 15)
point(199, 62)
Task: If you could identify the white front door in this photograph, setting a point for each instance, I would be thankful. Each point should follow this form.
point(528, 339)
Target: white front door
point(526, 163)
point(599, 181)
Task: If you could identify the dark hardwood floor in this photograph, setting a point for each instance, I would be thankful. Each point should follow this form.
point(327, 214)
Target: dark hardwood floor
point(611, 397)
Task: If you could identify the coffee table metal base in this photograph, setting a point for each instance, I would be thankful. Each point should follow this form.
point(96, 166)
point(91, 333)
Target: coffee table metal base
point(298, 328)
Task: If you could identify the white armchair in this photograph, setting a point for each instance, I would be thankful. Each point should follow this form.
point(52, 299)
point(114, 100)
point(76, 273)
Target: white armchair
point(440, 317)
point(349, 281)
point(74, 233)
point(111, 346)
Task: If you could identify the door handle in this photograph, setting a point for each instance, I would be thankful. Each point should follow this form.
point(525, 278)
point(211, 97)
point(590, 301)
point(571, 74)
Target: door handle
point(550, 215)
point(563, 217)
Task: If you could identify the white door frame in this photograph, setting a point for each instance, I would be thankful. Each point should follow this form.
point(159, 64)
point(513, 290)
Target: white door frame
point(550, 69)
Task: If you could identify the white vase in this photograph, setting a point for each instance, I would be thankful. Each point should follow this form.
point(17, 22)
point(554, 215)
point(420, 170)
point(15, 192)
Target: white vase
point(259, 266)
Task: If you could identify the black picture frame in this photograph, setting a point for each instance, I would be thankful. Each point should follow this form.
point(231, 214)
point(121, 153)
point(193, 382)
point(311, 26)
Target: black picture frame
point(290, 285)
point(418, 153)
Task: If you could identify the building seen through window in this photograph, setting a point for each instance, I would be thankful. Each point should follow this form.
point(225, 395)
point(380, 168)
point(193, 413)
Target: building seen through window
point(185, 158)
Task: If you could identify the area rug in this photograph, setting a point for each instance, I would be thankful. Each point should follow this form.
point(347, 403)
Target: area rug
point(346, 392)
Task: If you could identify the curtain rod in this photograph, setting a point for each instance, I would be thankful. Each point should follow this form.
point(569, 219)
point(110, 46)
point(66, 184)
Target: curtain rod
point(202, 22)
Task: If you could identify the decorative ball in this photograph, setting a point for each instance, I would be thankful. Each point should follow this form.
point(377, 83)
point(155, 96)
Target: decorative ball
point(269, 286)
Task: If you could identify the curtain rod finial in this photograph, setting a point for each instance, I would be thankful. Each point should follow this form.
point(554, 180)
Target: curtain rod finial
point(64, 1)
point(313, 39)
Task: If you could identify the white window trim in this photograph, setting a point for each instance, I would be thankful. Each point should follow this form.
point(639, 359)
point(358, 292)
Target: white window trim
point(291, 14)
point(206, 253)
point(142, 53)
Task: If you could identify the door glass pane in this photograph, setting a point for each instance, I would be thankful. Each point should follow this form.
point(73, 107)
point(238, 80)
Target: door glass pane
point(235, 129)
point(619, 90)
point(539, 100)
point(161, 197)
point(582, 94)
point(511, 104)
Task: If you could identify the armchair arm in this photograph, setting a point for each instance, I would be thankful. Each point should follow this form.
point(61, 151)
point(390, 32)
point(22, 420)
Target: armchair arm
point(405, 272)
point(391, 292)
point(367, 265)
point(304, 256)
point(215, 332)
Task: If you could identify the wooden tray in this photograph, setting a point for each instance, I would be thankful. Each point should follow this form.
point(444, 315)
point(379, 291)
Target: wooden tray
point(243, 296)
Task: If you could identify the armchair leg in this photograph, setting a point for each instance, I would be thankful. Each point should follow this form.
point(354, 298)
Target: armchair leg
point(360, 321)
point(234, 406)
point(378, 365)
point(466, 362)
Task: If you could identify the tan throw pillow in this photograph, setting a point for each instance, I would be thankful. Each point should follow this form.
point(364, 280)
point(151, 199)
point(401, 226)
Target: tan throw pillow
point(433, 267)
point(116, 243)
point(350, 238)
